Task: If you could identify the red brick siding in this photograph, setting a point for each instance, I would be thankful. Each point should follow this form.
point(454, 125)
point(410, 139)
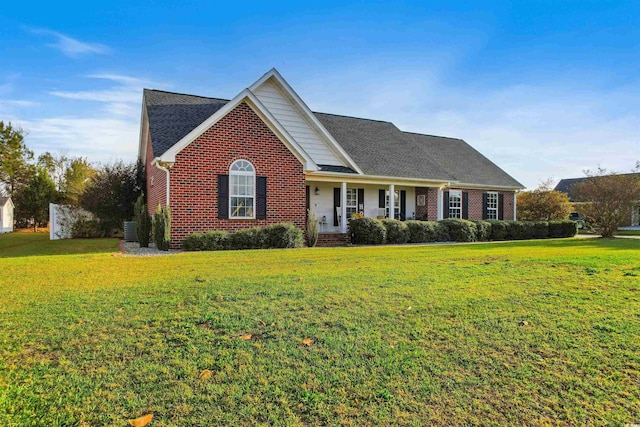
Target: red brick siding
point(430, 211)
point(156, 194)
point(475, 203)
point(241, 134)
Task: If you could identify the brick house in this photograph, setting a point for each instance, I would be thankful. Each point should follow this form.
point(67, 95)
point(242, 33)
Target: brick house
point(264, 157)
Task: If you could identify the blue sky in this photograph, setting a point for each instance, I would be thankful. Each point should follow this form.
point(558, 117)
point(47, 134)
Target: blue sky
point(542, 88)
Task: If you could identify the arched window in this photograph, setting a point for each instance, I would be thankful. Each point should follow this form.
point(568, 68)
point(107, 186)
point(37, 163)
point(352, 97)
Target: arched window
point(242, 190)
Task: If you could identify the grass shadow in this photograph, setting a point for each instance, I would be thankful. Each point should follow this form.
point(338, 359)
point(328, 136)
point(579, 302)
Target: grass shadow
point(14, 245)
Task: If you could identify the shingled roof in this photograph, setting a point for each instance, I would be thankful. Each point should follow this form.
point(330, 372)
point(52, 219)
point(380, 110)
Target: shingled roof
point(377, 147)
point(173, 115)
point(380, 148)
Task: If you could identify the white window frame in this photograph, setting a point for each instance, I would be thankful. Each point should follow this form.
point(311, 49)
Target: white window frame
point(237, 173)
point(352, 201)
point(455, 206)
point(396, 203)
point(492, 212)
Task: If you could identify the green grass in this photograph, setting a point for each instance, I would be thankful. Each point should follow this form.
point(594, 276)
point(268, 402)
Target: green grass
point(406, 335)
point(38, 244)
point(627, 233)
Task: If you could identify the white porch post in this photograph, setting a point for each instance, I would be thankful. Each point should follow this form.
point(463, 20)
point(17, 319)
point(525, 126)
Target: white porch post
point(439, 204)
point(515, 200)
point(343, 207)
point(392, 201)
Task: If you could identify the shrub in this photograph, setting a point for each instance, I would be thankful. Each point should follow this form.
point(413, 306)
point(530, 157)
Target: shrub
point(397, 231)
point(540, 230)
point(162, 228)
point(86, 229)
point(311, 234)
point(498, 229)
point(367, 231)
point(563, 228)
point(208, 241)
point(143, 222)
point(441, 232)
point(283, 235)
point(515, 230)
point(249, 238)
point(484, 230)
point(421, 231)
point(460, 230)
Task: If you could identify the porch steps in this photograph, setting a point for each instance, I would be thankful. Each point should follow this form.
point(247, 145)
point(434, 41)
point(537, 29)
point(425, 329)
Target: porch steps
point(332, 239)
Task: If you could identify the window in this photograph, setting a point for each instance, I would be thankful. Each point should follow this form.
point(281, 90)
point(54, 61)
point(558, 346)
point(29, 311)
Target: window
point(352, 201)
point(455, 204)
point(492, 205)
point(396, 204)
point(242, 190)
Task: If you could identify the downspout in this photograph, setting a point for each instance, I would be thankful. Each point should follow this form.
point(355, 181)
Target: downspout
point(166, 170)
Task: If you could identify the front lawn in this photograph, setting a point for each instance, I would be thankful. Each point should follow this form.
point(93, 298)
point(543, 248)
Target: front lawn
point(518, 333)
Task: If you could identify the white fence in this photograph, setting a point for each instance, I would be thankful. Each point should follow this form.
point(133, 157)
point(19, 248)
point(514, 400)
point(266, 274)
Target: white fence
point(62, 218)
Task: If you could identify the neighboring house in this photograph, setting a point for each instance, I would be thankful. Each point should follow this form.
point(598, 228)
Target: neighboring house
point(633, 217)
point(6, 215)
point(264, 157)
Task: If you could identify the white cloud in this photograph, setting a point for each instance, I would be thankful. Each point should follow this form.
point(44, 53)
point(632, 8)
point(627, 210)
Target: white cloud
point(69, 46)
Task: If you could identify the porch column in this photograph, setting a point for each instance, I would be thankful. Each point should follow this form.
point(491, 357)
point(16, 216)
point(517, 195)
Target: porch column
point(515, 200)
point(392, 201)
point(439, 204)
point(343, 207)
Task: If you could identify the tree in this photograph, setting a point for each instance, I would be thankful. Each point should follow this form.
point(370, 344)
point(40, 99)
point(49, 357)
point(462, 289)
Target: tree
point(543, 204)
point(111, 193)
point(15, 169)
point(55, 165)
point(607, 198)
point(77, 176)
point(32, 200)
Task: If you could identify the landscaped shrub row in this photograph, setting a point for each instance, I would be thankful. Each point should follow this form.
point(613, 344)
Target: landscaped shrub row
point(269, 237)
point(371, 231)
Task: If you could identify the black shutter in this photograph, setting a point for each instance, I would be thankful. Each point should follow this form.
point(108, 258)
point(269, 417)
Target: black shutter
point(361, 200)
point(336, 203)
point(500, 206)
point(261, 197)
point(223, 196)
point(403, 205)
point(307, 196)
point(445, 205)
point(465, 205)
point(485, 212)
point(382, 194)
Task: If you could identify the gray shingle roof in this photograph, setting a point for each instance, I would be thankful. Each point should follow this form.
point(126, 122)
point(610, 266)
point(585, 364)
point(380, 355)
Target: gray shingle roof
point(3, 200)
point(377, 147)
point(380, 148)
point(173, 115)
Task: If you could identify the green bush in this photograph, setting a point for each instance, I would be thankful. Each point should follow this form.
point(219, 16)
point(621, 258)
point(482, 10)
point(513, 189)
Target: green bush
point(565, 228)
point(249, 238)
point(280, 236)
point(311, 234)
point(397, 231)
point(484, 230)
point(421, 231)
point(515, 230)
point(498, 229)
point(460, 230)
point(162, 228)
point(87, 229)
point(367, 231)
point(143, 222)
point(208, 241)
point(540, 229)
point(441, 232)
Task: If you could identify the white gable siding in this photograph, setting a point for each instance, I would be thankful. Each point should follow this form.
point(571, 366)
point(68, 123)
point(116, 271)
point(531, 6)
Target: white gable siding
point(292, 120)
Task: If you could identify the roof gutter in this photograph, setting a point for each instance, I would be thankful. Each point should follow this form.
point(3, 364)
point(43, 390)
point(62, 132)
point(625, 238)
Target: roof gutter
point(373, 179)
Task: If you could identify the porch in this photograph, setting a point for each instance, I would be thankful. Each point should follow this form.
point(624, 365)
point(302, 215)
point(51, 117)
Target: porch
point(331, 202)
